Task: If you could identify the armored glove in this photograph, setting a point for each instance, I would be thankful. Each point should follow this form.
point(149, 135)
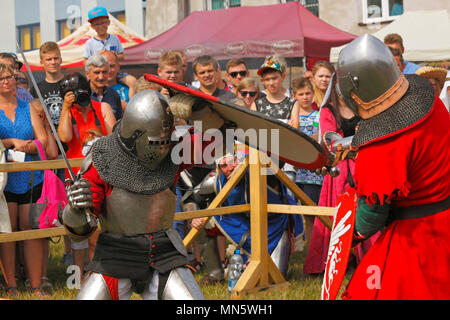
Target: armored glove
point(79, 194)
point(77, 216)
point(192, 108)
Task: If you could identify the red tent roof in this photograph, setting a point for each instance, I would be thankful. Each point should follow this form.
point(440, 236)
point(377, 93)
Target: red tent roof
point(251, 31)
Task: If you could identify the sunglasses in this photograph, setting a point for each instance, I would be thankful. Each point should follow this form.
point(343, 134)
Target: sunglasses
point(22, 80)
point(246, 93)
point(234, 74)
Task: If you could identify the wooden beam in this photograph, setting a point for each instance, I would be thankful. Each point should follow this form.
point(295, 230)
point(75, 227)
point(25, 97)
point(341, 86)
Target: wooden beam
point(38, 165)
point(220, 198)
point(32, 234)
point(275, 275)
point(327, 222)
point(292, 186)
point(258, 215)
point(261, 273)
point(252, 275)
point(179, 216)
point(260, 290)
point(305, 210)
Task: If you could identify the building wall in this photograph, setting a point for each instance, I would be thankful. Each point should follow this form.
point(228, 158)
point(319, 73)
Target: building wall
point(411, 5)
point(197, 5)
point(37, 21)
point(8, 42)
point(162, 15)
point(258, 2)
point(343, 14)
point(346, 14)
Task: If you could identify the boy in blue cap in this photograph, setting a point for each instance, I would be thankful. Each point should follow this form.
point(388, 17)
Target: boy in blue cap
point(99, 20)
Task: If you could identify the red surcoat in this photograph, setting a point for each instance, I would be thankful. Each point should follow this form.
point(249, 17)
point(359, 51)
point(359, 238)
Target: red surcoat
point(411, 259)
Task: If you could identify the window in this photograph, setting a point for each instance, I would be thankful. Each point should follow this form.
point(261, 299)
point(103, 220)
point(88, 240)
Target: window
point(119, 16)
point(30, 37)
point(223, 4)
point(374, 11)
point(36, 36)
point(25, 38)
point(311, 5)
point(63, 29)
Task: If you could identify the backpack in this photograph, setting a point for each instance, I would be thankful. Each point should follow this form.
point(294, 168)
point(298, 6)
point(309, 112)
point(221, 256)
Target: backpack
point(53, 197)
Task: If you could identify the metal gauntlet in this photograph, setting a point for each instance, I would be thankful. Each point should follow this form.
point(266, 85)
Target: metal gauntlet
point(79, 194)
point(77, 217)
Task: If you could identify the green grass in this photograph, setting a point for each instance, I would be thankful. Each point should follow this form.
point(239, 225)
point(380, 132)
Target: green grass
point(301, 286)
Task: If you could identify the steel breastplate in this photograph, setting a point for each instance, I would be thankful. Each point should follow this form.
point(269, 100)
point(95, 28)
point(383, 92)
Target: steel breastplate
point(129, 213)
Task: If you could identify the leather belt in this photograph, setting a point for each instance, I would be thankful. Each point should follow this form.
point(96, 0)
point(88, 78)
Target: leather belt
point(419, 211)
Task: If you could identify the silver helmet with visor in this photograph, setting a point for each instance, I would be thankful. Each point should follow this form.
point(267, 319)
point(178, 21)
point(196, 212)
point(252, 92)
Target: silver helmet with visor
point(146, 127)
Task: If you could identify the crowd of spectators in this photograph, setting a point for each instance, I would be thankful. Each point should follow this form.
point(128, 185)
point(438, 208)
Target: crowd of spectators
point(302, 105)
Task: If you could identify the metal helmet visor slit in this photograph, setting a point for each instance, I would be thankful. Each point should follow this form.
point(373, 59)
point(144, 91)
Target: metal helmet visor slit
point(146, 127)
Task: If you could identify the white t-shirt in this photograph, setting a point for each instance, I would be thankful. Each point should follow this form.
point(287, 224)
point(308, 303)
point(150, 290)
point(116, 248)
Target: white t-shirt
point(94, 45)
point(309, 125)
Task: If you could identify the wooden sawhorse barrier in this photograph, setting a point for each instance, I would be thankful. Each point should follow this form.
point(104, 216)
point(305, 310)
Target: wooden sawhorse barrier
point(261, 273)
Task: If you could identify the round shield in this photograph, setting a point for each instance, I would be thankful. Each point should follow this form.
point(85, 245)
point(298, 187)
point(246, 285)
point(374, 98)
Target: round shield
point(259, 131)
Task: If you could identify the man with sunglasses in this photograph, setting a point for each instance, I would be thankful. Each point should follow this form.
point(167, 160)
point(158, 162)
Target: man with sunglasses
point(22, 81)
point(236, 71)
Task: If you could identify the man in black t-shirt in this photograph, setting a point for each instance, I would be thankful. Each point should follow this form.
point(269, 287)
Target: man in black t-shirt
point(49, 87)
point(205, 71)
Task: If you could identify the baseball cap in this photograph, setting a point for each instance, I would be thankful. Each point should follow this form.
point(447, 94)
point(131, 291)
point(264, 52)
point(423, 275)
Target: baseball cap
point(270, 64)
point(97, 12)
point(16, 60)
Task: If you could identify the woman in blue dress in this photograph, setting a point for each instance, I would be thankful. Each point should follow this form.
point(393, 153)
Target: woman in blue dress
point(19, 126)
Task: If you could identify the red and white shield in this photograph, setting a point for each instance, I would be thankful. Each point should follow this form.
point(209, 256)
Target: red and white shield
point(340, 244)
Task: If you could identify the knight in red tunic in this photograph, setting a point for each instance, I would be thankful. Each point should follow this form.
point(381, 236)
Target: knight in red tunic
point(402, 176)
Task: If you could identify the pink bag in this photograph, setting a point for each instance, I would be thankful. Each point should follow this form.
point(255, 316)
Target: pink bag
point(53, 197)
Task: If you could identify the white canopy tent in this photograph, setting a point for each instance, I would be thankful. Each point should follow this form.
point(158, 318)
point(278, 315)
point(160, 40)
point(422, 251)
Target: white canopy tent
point(72, 46)
point(426, 35)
